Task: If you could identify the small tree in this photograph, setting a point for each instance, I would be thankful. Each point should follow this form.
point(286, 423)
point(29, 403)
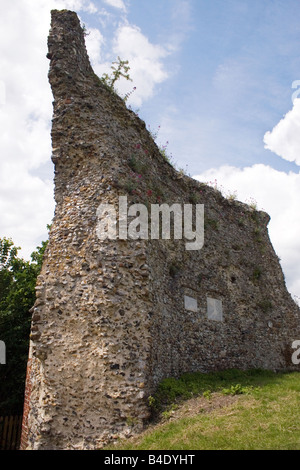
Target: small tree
point(17, 296)
point(120, 69)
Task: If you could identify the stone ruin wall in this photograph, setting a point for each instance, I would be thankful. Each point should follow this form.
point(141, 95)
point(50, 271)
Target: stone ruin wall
point(113, 318)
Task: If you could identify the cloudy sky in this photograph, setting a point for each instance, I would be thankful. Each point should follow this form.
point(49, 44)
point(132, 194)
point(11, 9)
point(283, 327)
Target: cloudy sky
point(221, 79)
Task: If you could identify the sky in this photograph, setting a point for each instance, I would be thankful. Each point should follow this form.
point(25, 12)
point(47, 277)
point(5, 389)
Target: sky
point(219, 82)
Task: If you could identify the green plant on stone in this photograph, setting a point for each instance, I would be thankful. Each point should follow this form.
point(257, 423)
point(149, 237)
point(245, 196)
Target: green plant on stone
point(85, 32)
point(252, 204)
point(137, 166)
point(131, 422)
point(193, 198)
point(153, 134)
point(164, 154)
point(152, 402)
point(130, 186)
point(120, 69)
point(128, 94)
point(174, 269)
point(162, 148)
point(257, 235)
point(158, 193)
point(231, 196)
point(265, 305)
point(257, 273)
point(135, 111)
point(213, 223)
point(183, 172)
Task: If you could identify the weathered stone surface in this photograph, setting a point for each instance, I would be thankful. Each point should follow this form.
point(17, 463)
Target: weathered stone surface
point(110, 319)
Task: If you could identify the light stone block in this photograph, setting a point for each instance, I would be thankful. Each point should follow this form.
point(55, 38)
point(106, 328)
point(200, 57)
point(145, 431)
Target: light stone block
point(190, 304)
point(214, 309)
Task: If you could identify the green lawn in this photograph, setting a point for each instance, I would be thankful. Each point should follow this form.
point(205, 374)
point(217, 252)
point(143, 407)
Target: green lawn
point(263, 413)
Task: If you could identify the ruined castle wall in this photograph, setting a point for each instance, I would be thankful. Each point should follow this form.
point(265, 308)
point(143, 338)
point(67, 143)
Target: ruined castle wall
point(114, 317)
point(89, 331)
point(225, 306)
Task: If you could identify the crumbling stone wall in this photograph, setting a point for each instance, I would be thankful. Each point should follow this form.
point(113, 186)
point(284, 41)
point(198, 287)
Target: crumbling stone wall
point(114, 317)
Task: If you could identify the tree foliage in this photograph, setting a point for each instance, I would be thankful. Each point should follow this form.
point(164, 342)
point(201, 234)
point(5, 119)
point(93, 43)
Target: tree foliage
point(17, 296)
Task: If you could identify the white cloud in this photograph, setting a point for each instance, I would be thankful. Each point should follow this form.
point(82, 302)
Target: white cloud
point(284, 139)
point(94, 42)
point(26, 191)
point(145, 60)
point(26, 201)
point(116, 4)
point(278, 194)
point(181, 21)
point(26, 171)
point(76, 5)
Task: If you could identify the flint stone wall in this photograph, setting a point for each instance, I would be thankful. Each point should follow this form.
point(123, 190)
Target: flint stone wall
point(115, 317)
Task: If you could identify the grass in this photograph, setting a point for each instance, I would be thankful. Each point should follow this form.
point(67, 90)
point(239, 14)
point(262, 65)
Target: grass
point(230, 410)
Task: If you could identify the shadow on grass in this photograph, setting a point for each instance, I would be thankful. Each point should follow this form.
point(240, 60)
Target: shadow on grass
point(266, 419)
point(233, 381)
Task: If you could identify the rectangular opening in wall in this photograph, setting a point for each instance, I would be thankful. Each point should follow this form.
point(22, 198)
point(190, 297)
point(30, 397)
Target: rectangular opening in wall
point(214, 309)
point(190, 304)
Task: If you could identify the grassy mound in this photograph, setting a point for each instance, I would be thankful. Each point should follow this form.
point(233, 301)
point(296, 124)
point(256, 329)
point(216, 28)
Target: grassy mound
point(229, 410)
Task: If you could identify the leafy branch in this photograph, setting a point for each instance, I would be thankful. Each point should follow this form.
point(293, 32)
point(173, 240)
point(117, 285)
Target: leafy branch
point(120, 69)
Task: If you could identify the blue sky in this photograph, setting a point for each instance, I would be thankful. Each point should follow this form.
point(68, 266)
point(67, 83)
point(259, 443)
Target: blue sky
point(229, 76)
point(215, 75)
